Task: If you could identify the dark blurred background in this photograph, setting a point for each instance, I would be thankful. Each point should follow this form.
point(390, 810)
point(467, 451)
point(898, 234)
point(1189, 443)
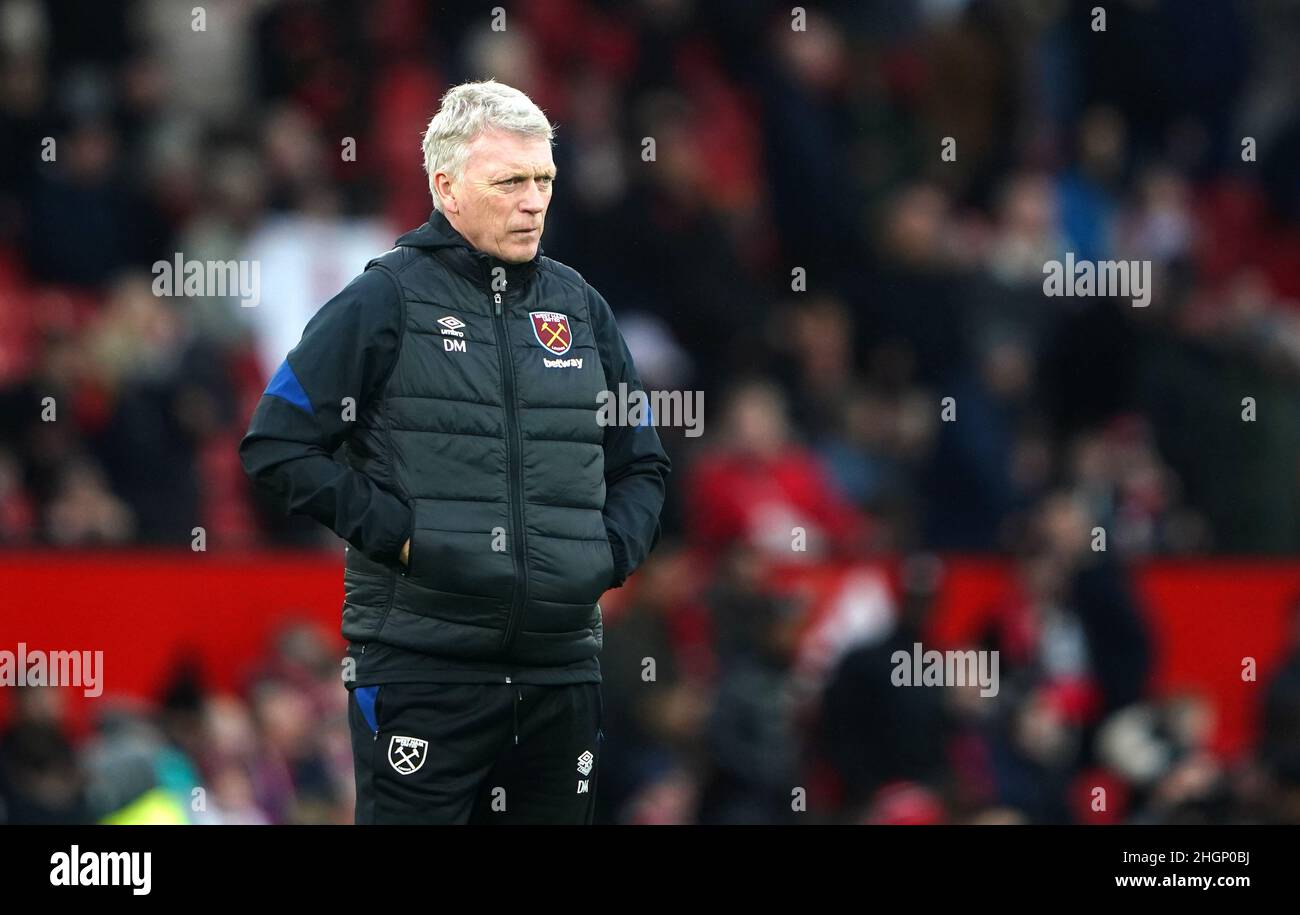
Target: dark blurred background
point(776, 150)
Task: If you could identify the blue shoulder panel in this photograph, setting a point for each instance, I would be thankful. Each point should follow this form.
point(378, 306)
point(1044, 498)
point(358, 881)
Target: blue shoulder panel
point(285, 385)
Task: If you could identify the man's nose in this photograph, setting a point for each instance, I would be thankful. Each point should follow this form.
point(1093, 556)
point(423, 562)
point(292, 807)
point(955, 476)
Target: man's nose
point(534, 201)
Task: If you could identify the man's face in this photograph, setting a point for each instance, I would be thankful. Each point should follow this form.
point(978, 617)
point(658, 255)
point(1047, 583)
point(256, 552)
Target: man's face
point(499, 203)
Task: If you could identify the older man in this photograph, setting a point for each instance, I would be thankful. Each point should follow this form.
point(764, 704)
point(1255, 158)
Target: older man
point(486, 506)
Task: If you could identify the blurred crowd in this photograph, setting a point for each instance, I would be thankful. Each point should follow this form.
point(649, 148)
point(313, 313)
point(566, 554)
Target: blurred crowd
point(732, 725)
point(798, 245)
point(881, 369)
point(275, 751)
point(710, 718)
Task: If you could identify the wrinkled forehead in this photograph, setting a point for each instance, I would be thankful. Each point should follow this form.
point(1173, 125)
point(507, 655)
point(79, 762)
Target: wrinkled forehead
point(497, 151)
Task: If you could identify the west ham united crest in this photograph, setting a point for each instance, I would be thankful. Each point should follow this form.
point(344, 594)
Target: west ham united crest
point(407, 754)
point(552, 330)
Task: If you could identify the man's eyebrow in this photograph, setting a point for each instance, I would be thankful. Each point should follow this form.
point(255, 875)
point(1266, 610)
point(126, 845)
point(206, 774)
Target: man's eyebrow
point(506, 175)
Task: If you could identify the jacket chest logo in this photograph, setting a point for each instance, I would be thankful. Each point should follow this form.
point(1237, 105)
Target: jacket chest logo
point(552, 330)
point(451, 327)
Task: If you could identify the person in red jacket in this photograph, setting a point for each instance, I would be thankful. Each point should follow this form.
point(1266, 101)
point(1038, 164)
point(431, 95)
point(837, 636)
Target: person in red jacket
point(761, 489)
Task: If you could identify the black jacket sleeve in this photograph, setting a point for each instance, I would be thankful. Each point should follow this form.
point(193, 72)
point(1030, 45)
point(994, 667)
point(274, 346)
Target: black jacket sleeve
point(347, 350)
point(636, 465)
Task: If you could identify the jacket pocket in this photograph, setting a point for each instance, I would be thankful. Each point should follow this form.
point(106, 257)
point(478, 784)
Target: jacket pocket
point(417, 553)
point(597, 575)
point(416, 567)
point(611, 571)
point(461, 562)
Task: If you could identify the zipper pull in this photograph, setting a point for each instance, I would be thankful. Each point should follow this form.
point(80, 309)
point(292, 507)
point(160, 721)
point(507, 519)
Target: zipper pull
point(496, 297)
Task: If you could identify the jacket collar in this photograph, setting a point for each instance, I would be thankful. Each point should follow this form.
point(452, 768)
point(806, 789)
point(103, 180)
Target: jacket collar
point(439, 237)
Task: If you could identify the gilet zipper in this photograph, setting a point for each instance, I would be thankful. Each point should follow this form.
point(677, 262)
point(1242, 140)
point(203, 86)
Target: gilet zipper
point(515, 484)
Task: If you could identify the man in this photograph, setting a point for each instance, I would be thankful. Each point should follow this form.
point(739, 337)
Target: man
point(486, 507)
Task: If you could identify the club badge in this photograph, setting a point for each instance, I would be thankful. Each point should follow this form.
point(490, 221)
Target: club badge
point(552, 330)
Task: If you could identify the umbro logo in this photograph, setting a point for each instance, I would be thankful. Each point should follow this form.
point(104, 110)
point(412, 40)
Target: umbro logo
point(451, 326)
point(585, 763)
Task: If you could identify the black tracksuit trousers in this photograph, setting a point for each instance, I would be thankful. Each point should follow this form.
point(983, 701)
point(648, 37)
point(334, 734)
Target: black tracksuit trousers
point(476, 752)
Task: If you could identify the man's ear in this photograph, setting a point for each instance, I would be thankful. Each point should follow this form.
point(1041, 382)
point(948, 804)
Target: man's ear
point(442, 187)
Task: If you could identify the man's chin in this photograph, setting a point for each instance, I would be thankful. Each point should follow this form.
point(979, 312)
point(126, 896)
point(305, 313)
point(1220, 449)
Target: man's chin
point(519, 253)
point(518, 248)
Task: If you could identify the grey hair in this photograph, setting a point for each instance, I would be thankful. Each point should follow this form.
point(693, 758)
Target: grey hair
point(470, 109)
